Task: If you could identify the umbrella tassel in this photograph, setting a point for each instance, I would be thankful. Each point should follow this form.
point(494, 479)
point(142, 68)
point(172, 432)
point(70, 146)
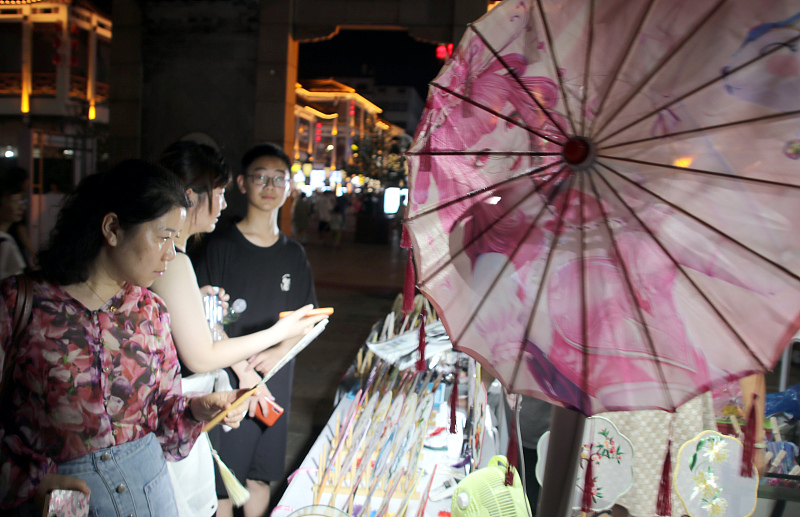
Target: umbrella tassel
point(454, 402)
point(422, 364)
point(512, 454)
point(664, 500)
point(749, 449)
point(405, 238)
point(408, 285)
point(588, 484)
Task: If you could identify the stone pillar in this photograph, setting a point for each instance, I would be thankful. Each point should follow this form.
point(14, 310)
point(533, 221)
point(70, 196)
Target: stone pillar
point(126, 82)
point(276, 75)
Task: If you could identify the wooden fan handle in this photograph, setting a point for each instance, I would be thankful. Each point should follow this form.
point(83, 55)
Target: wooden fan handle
point(222, 414)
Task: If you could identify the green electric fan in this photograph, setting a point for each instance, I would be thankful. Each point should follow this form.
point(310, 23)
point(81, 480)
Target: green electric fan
point(484, 493)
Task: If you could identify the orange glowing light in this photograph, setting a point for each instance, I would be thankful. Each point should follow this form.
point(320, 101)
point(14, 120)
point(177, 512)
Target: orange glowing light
point(683, 162)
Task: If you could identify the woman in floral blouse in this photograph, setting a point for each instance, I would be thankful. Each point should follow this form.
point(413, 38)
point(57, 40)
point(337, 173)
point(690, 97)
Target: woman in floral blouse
point(94, 402)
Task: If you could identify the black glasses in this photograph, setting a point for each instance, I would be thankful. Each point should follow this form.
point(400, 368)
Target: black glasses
point(263, 179)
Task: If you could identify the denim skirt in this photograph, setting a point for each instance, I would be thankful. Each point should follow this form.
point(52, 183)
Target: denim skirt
point(126, 480)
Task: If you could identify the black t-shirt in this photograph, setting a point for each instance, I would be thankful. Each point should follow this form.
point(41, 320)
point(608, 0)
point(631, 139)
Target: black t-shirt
point(270, 279)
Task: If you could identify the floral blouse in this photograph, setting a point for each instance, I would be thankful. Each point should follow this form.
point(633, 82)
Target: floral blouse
point(86, 380)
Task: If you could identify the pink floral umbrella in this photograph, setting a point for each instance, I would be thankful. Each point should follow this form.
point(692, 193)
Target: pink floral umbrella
point(604, 196)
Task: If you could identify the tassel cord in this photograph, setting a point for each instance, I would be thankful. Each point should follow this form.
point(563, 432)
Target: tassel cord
point(748, 447)
point(522, 472)
point(664, 499)
point(237, 493)
point(409, 287)
point(588, 484)
point(454, 401)
point(422, 363)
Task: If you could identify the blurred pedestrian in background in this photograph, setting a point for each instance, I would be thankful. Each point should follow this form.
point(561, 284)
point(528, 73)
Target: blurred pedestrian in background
point(12, 261)
point(301, 212)
point(324, 208)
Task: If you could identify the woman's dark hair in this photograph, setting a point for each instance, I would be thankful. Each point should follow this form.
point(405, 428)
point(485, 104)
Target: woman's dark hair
point(267, 149)
point(199, 167)
point(135, 190)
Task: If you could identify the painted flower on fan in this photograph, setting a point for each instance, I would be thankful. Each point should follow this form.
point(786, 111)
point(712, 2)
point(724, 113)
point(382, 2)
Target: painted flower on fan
point(717, 452)
point(705, 484)
point(716, 506)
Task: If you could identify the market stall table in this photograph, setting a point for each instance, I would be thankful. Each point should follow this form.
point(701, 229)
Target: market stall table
point(300, 491)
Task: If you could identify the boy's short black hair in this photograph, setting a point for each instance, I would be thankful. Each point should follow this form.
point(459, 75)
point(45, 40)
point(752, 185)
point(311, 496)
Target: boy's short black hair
point(267, 149)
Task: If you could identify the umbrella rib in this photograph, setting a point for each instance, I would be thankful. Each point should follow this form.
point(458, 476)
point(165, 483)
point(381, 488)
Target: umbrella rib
point(584, 313)
point(705, 224)
point(723, 175)
point(664, 60)
point(680, 268)
point(631, 292)
point(499, 275)
point(480, 191)
point(482, 153)
point(493, 112)
point(786, 114)
point(587, 65)
point(513, 207)
point(628, 48)
point(699, 88)
point(555, 64)
point(539, 291)
point(513, 74)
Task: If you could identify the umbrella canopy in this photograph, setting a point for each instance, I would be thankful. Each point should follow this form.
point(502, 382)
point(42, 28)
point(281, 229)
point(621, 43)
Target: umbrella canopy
point(603, 196)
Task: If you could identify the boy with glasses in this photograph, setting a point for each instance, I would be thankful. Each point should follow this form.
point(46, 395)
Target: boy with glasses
point(254, 261)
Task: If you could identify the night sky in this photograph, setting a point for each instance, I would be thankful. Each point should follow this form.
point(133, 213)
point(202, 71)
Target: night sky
point(393, 58)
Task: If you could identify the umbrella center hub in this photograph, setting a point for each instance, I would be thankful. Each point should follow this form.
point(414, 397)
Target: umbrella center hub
point(578, 152)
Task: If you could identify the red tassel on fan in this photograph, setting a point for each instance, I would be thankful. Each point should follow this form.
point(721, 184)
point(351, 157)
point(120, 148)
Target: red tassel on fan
point(422, 364)
point(664, 499)
point(454, 402)
point(512, 455)
point(408, 285)
point(588, 485)
point(749, 449)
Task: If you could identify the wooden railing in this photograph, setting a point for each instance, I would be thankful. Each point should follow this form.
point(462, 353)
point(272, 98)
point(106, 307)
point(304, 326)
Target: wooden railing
point(11, 83)
point(44, 84)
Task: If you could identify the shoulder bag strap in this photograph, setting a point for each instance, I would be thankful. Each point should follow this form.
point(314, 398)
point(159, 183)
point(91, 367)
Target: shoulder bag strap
point(22, 313)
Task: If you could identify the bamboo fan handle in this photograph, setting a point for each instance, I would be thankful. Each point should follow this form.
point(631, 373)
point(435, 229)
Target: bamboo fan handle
point(221, 416)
